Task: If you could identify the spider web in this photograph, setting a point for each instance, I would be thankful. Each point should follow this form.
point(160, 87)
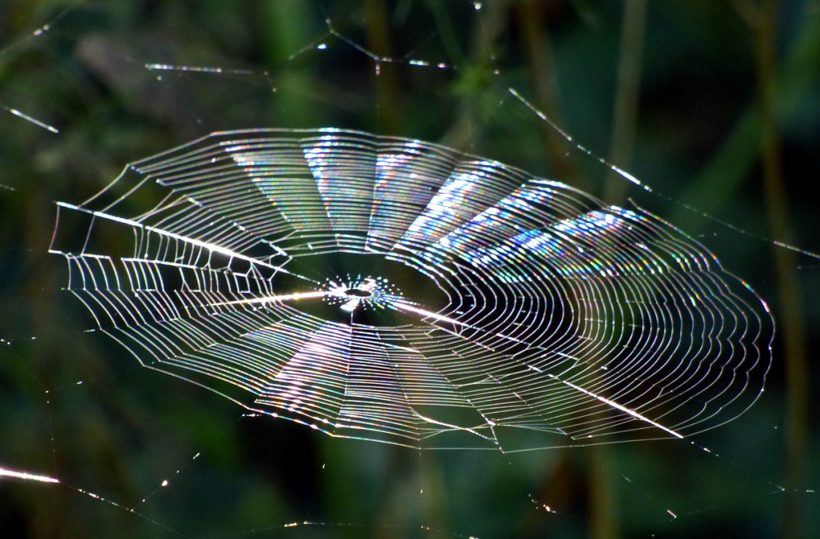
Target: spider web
point(555, 314)
point(479, 307)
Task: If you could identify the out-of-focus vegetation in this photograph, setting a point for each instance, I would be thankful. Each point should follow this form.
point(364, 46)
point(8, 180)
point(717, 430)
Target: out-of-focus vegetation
point(689, 123)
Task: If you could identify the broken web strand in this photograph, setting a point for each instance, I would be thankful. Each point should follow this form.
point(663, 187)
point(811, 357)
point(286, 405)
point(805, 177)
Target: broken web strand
point(324, 42)
point(33, 120)
point(9, 49)
point(27, 476)
point(6, 469)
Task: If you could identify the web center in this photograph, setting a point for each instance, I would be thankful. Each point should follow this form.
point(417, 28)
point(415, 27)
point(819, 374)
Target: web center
point(359, 289)
point(357, 293)
point(364, 292)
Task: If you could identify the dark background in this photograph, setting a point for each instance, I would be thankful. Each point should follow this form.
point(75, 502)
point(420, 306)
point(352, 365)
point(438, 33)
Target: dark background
point(694, 121)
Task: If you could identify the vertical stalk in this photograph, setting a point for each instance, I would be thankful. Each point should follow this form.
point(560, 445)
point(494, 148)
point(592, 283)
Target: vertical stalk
point(489, 26)
point(288, 31)
point(603, 510)
point(791, 318)
point(547, 96)
point(388, 102)
point(603, 507)
point(626, 97)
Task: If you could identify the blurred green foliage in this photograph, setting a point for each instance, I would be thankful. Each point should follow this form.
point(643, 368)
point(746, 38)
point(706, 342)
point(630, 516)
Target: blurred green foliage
point(84, 67)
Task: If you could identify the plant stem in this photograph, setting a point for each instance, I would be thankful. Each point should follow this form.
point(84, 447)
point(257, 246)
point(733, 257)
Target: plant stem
point(792, 323)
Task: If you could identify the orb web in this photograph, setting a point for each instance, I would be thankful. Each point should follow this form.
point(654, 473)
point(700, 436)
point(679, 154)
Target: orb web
point(400, 291)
